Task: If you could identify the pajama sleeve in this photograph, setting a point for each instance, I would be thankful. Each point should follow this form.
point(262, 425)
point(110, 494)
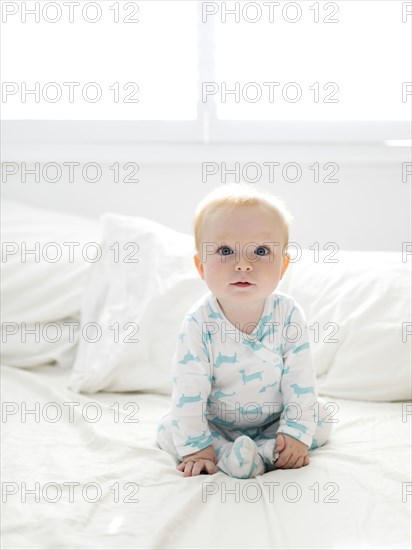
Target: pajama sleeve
point(192, 376)
point(298, 382)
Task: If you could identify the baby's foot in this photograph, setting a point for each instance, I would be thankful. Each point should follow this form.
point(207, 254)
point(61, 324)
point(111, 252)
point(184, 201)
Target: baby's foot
point(271, 449)
point(242, 460)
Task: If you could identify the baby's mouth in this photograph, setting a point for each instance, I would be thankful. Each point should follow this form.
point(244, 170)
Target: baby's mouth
point(241, 285)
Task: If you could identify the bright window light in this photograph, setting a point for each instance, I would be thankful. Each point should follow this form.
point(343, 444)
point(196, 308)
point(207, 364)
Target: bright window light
point(153, 61)
point(356, 69)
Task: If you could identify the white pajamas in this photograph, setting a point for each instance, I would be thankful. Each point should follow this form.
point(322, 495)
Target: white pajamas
point(227, 383)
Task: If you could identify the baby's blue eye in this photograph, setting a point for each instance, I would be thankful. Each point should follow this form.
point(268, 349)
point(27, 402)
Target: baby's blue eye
point(224, 250)
point(262, 248)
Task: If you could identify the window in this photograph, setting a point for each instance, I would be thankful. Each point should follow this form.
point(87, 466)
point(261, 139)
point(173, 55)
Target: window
point(216, 71)
point(143, 67)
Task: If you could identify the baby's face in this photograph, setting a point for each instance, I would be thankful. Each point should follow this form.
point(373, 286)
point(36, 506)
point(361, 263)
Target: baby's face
point(242, 245)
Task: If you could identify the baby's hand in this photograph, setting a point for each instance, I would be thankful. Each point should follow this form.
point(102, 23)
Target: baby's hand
point(293, 453)
point(195, 463)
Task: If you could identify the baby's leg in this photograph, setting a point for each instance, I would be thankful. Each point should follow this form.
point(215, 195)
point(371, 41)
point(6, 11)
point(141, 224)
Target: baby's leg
point(237, 454)
point(324, 424)
point(266, 444)
point(164, 436)
point(266, 441)
point(220, 442)
point(238, 458)
point(241, 459)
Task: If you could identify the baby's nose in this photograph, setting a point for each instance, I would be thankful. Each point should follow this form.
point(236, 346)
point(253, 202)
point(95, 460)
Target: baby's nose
point(243, 265)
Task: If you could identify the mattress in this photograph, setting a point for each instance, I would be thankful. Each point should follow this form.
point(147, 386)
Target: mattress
point(84, 471)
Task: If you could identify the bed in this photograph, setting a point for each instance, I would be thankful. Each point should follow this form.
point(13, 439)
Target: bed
point(80, 464)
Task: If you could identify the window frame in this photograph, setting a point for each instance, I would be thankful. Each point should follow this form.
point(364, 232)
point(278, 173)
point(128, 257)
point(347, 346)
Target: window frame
point(206, 129)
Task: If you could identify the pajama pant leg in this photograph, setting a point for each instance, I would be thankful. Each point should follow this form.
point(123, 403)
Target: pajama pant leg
point(222, 439)
point(321, 435)
point(324, 427)
point(164, 435)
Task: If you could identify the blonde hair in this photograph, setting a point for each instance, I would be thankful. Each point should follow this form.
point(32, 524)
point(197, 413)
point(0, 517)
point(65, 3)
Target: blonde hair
point(237, 195)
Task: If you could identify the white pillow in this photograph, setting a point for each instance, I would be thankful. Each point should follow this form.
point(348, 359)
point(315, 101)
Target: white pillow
point(32, 344)
point(35, 289)
point(148, 299)
point(367, 296)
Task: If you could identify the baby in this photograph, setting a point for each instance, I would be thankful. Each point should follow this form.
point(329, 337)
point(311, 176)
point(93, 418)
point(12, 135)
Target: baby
point(244, 398)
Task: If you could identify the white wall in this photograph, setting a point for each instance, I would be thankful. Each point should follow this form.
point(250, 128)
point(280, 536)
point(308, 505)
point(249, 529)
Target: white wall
point(368, 209)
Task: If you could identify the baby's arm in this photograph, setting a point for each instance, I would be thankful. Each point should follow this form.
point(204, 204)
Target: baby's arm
point(298, 384)
point(191, 374)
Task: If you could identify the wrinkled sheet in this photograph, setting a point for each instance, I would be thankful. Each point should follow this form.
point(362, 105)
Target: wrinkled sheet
point(104, 450)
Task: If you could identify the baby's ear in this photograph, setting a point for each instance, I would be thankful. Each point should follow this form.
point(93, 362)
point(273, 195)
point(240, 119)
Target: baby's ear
point(199, 265)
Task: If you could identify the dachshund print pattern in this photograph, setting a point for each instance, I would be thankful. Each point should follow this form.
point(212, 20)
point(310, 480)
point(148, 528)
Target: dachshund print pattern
point(224, 376)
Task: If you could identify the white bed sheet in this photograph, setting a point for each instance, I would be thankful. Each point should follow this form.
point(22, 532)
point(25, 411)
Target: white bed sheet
point(366, 461)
